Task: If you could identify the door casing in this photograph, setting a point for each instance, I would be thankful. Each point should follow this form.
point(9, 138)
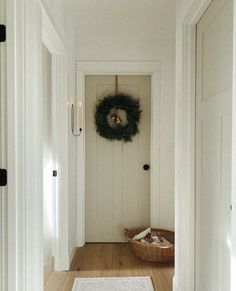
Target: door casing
point(184, 279)
point(121, 68)
point(29, 23)
point(58, 51)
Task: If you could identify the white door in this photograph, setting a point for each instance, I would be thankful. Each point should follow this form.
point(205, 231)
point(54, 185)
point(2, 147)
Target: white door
point(3, 158)
point(213, 146)
point(117, 187)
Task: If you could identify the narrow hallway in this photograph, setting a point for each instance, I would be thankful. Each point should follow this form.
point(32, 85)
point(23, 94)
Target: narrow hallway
point(117, 145)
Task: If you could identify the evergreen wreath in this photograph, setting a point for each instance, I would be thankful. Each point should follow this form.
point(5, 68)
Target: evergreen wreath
point(117, 117)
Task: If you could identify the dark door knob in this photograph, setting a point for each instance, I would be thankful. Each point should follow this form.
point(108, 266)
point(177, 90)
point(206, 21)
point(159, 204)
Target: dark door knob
point(146, 167)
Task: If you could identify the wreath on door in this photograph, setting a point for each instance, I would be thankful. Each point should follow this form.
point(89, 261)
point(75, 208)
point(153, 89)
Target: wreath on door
point(117, 116)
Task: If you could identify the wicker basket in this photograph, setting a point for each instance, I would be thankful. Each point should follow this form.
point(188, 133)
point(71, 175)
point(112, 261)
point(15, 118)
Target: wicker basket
point(149, 252)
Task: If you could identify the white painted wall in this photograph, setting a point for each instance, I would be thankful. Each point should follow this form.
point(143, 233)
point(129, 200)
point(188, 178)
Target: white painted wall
point(136, 30)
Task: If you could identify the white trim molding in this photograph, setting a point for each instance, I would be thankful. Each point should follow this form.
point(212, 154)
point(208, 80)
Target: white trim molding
point(24, 113)
point(26, 23)
point(233, 177)
point(55, 44)
point(175, 286)
point(153, 69)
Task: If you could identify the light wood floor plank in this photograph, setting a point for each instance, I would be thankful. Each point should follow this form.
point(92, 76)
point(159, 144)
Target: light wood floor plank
point(57, 281)
point(47, 272)
point(110, 260)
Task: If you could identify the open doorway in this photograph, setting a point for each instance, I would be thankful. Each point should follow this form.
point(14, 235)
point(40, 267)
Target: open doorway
point(117, 188)
point(105, 252)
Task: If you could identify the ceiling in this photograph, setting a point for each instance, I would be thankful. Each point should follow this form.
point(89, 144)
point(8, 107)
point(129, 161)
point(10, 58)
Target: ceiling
point(123, 19)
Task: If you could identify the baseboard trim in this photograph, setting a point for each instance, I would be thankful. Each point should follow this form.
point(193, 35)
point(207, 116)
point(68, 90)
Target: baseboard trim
point(175, 285)
point(49, 262)
point(71, 254)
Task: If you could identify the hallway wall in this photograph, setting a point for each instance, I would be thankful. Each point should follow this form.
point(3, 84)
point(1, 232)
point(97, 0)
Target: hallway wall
point(136, 30)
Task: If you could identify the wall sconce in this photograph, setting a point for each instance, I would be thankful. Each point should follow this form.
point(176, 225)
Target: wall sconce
point(79, 119)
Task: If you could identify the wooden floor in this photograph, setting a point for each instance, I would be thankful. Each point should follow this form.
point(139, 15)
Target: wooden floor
point(109, 260)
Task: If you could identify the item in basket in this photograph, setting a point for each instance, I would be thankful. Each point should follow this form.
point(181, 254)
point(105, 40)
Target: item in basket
point(149, 238)
point(152, 238)
point(161, 241)
point(156, 238)
point(142, 234)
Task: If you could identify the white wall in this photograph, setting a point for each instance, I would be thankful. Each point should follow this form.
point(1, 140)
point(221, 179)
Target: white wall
point(136, 30)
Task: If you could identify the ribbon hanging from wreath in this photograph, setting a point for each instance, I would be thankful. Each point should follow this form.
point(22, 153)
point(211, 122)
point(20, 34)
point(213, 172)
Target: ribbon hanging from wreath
point(117, 116)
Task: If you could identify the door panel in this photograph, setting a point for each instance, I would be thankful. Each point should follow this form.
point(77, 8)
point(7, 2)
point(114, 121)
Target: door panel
point(117, 187)
point(3, 157)
point(213, 146)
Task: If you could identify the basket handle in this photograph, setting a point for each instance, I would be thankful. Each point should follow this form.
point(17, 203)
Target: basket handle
point(126, 231)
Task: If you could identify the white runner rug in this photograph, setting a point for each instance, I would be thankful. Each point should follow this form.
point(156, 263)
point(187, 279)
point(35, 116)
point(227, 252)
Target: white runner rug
point(113, 284)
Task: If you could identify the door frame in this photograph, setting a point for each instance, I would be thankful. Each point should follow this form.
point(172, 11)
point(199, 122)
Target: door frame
point(153, 69)
point(58, 51)
point(233, 175)
point(28, 23)
point(184, 279)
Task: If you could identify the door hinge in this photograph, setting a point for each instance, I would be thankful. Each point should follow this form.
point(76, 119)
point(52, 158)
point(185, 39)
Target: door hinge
point(2, 33)
point(54, 173)
point(231, 207)
point(3, 177)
